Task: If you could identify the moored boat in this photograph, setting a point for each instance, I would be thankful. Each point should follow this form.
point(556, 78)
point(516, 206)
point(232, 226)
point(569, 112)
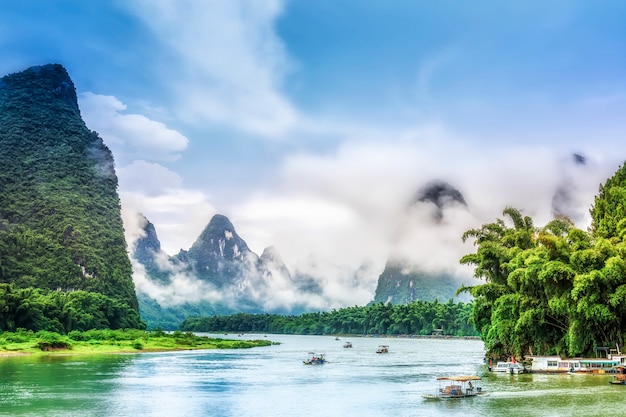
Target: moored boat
point(458, 386)
point(556, 364)
point(509, 368)
point(347, 345)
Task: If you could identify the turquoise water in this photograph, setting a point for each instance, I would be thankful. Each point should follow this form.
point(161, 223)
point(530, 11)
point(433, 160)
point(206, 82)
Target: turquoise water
point(272, 381)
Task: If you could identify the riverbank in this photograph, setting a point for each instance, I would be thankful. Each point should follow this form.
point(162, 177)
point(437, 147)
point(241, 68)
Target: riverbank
point(113, 341)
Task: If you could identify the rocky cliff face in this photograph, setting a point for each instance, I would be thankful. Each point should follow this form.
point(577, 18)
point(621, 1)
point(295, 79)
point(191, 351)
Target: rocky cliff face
point(147, 250)
point(221, 257)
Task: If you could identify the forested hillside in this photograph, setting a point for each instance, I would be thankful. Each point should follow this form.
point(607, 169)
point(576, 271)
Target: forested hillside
point(416, 318)
point(60, 223)
point(554, 289)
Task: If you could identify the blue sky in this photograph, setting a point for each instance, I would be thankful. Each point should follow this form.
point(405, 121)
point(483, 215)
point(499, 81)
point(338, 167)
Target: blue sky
point(311, 124)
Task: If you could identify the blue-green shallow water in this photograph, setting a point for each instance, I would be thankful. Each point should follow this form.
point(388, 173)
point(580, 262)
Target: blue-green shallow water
point(272, 381)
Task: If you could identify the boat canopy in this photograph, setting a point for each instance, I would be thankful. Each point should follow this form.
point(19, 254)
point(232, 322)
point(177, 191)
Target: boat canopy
point(459, 378)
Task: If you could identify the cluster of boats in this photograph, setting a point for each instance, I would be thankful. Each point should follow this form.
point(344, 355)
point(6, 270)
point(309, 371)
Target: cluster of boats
point(612, 363)
point(320, 359)
point(463, 386)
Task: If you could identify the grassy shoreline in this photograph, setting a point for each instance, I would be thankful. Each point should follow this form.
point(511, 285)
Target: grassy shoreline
point(127, 341)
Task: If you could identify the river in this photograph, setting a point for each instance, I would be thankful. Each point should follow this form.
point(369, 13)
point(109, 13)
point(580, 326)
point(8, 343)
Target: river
point(273, 381)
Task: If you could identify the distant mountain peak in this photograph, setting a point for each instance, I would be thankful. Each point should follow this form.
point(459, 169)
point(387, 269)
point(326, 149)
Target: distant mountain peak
point(271, 253)
point(441, 194)
point(219, 240)
point(148, 245)
point(579, 159)
point(220, 221)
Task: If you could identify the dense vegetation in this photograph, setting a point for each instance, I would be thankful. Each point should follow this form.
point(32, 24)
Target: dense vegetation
point(58, 311)
point(102, 341)
point(554, 289)
point(418, 317)
point(60, 222)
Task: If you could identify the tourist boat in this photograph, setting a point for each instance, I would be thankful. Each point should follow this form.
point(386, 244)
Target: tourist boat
point(459, 386)
point(347, 345)
point(383, 349)
point(315, 359)
point(556, 364)
point(509, 368)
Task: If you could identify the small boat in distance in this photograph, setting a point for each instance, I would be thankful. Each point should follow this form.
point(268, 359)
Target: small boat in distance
point(383, 349)
point(458, 386)
point(315, 359)
point(347, 345)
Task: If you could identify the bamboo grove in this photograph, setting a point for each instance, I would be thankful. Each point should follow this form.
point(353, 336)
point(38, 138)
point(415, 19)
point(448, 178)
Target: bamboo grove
point(555, 289)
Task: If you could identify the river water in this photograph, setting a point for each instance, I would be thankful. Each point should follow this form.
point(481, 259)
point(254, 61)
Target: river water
point(273, 381)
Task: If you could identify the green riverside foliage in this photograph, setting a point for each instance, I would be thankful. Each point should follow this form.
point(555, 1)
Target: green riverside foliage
point(555, 289)
point(60, 221)
point(39, 309)
point(418, 317)
point(111, 341)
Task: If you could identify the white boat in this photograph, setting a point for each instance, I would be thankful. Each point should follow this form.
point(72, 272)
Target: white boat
point(458, 386)
point(509, 368)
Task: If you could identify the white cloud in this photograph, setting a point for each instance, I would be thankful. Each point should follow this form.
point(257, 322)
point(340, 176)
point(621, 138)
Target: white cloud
point(182, 289)
point(352, 205)
point(130, 136)
point(226, 63)
point(149, 188)
point(300, 226)
point(148, 178)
